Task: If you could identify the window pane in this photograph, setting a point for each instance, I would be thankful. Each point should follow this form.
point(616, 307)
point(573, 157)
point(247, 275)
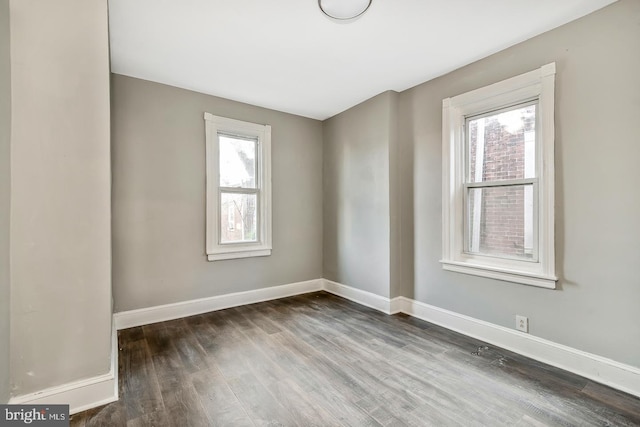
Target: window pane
point(502, 146)
point(238, 218)
point(237, 161)
point(500, 221)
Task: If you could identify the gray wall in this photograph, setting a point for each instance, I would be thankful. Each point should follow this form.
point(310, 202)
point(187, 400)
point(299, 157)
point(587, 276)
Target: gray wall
point(60, 195)
point(595, 307)
point(357, 226)
point(5, 194)
point(159, 197)
point(396, 276)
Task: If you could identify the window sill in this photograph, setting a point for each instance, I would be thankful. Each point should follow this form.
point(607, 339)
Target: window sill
point(497, 273)
point(235, 255)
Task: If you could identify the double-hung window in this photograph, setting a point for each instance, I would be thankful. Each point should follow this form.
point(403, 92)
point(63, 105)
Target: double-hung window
point(238, 188)
point(498, 180)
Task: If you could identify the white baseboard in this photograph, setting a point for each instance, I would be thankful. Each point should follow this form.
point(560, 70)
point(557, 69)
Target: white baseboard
point(599, 369)
point(366, 298)
point(161, 313)
point(396, 305)
point(80, 395)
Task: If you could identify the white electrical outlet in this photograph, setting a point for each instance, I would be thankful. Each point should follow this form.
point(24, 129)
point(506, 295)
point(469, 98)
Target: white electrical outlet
point(522, 323)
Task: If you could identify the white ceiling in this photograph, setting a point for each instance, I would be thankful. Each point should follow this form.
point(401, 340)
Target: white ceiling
point(288, 56)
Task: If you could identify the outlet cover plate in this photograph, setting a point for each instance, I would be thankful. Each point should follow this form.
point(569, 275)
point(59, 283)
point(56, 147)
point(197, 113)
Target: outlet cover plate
point(522, 323)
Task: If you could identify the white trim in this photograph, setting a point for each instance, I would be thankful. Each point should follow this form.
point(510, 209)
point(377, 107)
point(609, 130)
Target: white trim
point(600, 369)
point(262, 247)
point(80, 395)
point(500, 274)
point(365, 298)
point(161, 313)
point(235, 254)
point(537, 84)
point(396, 305)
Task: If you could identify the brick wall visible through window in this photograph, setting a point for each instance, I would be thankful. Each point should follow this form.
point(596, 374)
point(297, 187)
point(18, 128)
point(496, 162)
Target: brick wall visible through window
point(502, 226)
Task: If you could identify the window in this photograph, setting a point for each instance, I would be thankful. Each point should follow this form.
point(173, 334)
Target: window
point(238, 188)
point(498, 180)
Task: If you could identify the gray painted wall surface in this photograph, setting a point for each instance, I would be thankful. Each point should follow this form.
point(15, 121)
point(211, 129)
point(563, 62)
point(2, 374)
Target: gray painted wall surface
point(395, 206)
point(159, 197)
point(356, 195)
point(60, 198)
point(595, 307)
point(5, 194)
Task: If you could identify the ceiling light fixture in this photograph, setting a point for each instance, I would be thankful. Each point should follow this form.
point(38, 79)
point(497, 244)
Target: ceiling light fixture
point(344, 10)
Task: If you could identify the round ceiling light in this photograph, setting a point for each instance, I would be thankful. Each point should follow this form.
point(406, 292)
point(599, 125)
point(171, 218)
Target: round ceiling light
point(344, 10)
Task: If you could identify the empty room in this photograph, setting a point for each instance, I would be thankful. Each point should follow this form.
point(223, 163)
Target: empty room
point(319, 213)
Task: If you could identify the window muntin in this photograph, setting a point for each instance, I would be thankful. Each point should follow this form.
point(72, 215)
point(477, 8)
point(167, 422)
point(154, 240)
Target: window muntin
point(238, 158)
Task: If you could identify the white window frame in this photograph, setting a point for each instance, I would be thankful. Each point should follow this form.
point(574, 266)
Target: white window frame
point(535, 85)
point(214, 126)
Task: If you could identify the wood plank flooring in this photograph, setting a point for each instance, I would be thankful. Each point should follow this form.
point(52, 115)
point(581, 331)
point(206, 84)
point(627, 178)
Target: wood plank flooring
point(320, 360)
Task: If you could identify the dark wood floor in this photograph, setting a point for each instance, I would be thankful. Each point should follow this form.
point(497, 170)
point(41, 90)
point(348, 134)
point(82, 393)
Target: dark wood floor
point(320, 360)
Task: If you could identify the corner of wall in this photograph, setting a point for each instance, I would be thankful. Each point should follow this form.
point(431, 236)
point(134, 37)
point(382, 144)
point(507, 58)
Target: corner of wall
point(395, 200)
point(57, 284)
point(5, 197)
